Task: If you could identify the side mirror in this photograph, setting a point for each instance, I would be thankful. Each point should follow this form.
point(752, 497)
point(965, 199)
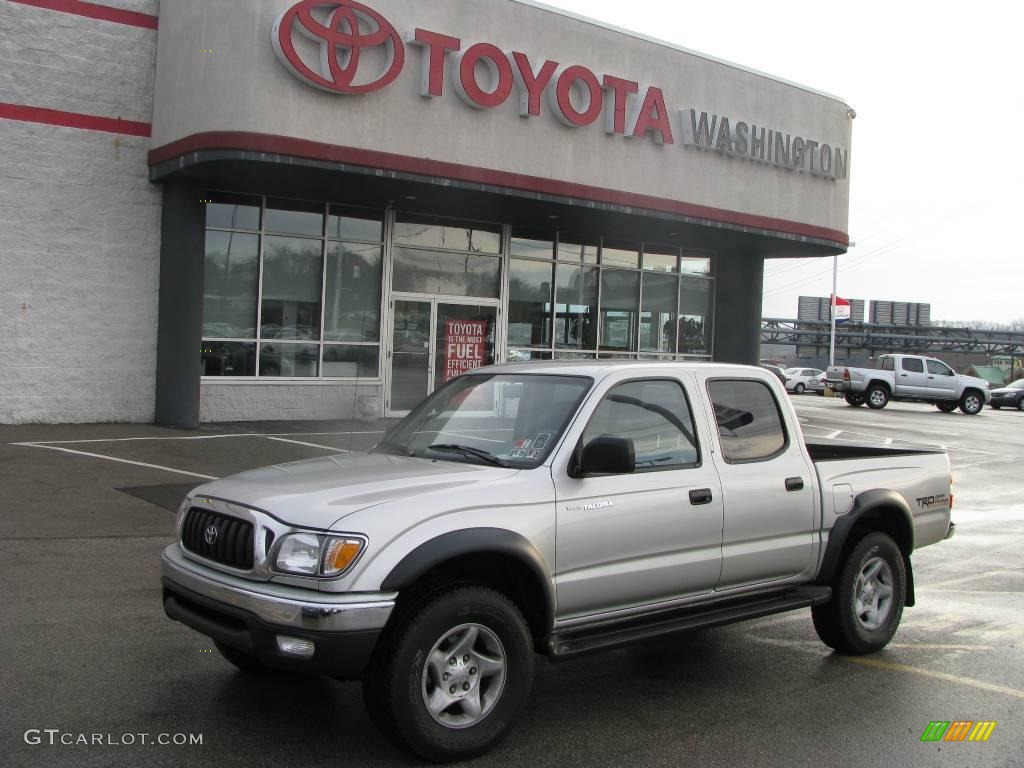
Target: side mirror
point(606, 455)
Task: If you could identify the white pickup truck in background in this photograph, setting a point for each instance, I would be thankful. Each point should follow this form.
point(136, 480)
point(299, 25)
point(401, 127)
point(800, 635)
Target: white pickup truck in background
point(909, 377)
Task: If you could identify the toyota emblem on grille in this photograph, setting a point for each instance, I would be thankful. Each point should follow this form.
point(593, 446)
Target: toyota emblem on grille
point(211, 535)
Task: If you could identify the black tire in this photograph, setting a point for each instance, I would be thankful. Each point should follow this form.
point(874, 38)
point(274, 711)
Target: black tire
point(946, 407)
point(877, 396)
point(839, 623)
point(400, 678)
point(799, 388)
point(972, 402)
point(1020, 404)
point(245, 662)
point(853, 398)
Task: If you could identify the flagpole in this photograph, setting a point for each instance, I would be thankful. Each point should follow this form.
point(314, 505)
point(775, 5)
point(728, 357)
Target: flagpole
point(832, 343)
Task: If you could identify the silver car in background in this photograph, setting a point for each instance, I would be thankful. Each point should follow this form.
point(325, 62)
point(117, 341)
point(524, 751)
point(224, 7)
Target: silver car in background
point(800, 380)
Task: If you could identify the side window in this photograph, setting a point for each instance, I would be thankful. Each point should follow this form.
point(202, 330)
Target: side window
point(749, 421)
point(887, 364)
point(912, 365)
point(939, 369)
point(655, 415)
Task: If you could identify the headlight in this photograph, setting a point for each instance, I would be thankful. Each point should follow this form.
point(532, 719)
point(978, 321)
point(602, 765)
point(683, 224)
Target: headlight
point(312, 554)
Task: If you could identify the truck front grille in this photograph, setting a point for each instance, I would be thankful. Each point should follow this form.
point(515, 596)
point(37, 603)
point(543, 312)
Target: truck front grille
point(232, 542)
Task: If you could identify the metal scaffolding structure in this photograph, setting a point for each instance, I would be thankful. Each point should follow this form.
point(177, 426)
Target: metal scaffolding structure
point(872, 338)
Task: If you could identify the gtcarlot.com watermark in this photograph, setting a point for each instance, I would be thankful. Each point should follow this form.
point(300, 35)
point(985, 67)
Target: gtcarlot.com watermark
point(56, 737)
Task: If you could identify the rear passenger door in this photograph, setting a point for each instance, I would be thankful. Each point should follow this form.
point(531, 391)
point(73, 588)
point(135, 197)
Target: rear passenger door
point(910, 379)
point(630, 540)
point(770, 506)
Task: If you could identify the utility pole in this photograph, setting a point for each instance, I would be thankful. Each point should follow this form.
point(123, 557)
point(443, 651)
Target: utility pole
point(835, 280)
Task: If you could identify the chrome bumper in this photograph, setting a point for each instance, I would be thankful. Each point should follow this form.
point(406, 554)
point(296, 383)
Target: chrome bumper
point(278, 604)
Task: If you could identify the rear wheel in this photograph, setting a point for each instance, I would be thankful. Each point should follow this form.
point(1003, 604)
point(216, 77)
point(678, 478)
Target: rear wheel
point(972, 402)
point(799, 388)
point(452, 676)
point(877, 396)
point(854, 398)
point(946, 407)
point(868, 594)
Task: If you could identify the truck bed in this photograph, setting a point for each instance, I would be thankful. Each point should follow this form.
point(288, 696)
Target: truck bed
point(832, 451)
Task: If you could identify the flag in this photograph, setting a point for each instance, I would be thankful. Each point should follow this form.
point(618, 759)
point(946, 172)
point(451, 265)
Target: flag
point(842, 310)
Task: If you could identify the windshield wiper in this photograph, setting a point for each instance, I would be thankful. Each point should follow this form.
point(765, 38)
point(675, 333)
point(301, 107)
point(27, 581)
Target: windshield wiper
point(468, 450)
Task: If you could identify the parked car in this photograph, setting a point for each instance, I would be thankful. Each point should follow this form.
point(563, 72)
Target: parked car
point(1010, 396)
point(910, 377)
point(776, 371)
point(800, 380)
point(581, 509)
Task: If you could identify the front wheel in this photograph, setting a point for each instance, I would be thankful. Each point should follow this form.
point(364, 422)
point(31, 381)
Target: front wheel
point(1020, 404)
point(972, 402)
point(452, 677)
point(853, 399)
point(867, 601)
point(946, 407)
point(799, 388)
point(877, 396)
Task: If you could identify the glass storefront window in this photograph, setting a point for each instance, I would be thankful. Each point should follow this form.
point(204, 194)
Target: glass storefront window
point(294, 217)
point(289, 360)
point(529, 303)
point(658, 259)
point(576, 307)
point(430, 233)
point(620, 302)
point(620, 255)
point(228, 358)
point(695, 297)
point(351, 362)
point(534, 247)
point(451, 274)
point(658, 313)
point(292, 278)
point(352, 224)
point(577, 249)
point(696, 263)
point(525, 355)
point(230, 286)
point(352, 292)
point(233, 211)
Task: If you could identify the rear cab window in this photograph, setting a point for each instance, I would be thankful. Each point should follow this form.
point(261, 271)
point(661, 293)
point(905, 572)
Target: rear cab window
point(750, 424)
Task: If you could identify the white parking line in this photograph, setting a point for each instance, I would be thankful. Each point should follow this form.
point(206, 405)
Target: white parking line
point(300, 442)
point(121, 461)
point(196, 437)
point(834, 435)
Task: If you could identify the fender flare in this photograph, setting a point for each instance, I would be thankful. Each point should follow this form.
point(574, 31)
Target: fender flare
point(864, 504)
point(473, 541)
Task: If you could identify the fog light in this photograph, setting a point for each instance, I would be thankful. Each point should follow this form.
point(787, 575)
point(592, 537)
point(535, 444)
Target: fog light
point(296, 646)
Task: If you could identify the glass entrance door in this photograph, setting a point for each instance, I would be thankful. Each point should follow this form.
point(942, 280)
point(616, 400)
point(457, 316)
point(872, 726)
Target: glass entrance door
point(433, 341)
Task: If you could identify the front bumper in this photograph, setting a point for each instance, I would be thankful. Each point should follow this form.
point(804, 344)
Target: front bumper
point(250, 616)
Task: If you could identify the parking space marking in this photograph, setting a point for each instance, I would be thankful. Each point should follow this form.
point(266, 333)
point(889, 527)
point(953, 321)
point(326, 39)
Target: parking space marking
point(196, 437)
point(114, 458)
point(300, 442)
point(974, 577)
point(834, 435)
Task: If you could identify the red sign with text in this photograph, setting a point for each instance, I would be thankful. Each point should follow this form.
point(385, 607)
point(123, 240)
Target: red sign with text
point(465, 346)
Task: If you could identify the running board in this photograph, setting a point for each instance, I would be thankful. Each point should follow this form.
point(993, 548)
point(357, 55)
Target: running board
point(573, 642)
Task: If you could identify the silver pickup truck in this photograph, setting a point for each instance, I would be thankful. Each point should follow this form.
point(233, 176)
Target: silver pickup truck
point(554, 508)
point(909, 377)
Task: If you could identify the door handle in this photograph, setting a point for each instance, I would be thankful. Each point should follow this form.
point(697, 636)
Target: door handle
point(904, 375)
point(794, 483)
point(700, 496)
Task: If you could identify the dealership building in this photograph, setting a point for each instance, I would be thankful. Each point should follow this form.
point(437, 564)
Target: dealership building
point(221, 210)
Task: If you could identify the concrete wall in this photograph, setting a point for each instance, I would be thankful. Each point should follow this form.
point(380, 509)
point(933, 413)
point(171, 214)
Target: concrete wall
point(242, 86)
point(79, 221)
point(262, 400)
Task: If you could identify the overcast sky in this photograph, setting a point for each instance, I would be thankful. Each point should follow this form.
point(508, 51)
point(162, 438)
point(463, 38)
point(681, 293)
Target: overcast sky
point(936, 163)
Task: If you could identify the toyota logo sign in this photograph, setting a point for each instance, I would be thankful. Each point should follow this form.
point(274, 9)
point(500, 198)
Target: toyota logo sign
point(345, 31)
point(210, 535)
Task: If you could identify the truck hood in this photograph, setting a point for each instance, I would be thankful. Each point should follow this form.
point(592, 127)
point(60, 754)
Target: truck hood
point(317, 493)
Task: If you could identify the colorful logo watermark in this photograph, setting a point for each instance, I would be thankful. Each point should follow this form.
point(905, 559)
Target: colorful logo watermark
point(958, 730)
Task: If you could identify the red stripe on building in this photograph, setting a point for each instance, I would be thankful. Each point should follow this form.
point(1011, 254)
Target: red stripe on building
point(73, 120)
point(284, 145)
point(95, 11)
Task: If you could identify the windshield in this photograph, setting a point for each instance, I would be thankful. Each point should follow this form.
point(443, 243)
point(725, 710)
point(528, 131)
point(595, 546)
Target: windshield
point(1018, 384)
point(503, 419)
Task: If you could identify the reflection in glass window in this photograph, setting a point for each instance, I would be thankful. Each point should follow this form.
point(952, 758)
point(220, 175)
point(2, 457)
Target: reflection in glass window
point(620, 300)
point(616, 255)
point(351, 361)
point(292, 277)
point(294, 217)
point(289, 360)
point(230, 285)
point(453, 236)
point(351, 224)
point(695, 263)
point(660, 259)
point(534, 248)
point(655, 415)
point(352, 294)
point(749, 421)
point(939, 369)
point(452, 274)
point(695, 316)
point(529, 308)
point(576, 307)
point(228, 358)
point(233, 211)
point(658, 313)
point(577, 249)
point(525, 355)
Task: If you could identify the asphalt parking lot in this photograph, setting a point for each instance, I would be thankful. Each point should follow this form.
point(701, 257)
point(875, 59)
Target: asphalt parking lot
point(85, 511)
